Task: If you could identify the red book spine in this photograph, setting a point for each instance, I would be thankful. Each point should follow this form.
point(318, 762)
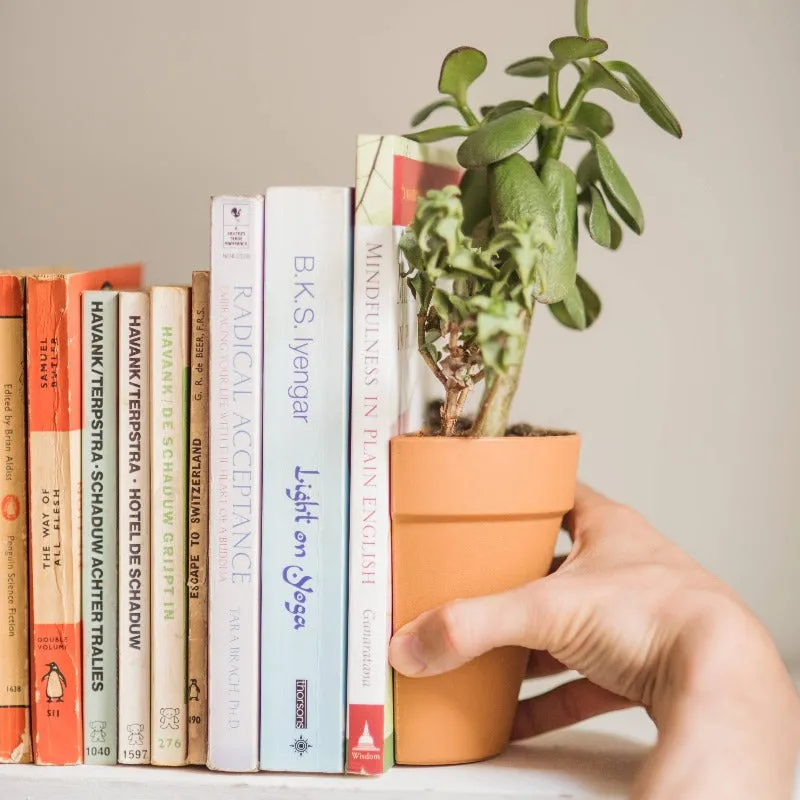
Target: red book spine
point(15, 718)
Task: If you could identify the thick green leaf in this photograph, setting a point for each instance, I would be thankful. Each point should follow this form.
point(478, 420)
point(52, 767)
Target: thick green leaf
point(460, 68)
point(582, 18)
point(591, 300)
point(619, 191)
point(570, 311)
point(597, 219)
point(616, 233)
point(425, 112)
point(558, 266)
point(499, 138)
point(482, 232)
point(517, 193)
point(588, 171)
point(437, 134)
point(599, 77)
point(594, 117)
point(506, 107)
point(580, 308)
point(474, 198)
point(533, 67)
point(651, 101)
point(573, 48)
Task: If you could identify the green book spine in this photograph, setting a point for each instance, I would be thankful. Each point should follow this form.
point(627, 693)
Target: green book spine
point(99, 525)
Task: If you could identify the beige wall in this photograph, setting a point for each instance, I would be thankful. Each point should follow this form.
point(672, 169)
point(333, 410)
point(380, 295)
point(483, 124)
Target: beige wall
point(119, 119)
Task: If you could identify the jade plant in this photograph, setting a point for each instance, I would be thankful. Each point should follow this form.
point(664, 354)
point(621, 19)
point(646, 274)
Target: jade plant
point(479, 256)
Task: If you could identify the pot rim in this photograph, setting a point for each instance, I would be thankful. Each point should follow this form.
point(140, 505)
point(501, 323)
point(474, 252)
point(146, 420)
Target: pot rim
point(552, 433)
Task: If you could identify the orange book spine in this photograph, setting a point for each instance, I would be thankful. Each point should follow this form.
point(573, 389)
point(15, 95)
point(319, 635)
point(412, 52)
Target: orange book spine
point(15, 718)
point(53, 326)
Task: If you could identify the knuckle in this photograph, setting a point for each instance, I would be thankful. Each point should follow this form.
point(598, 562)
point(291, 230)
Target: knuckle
point(455, 633)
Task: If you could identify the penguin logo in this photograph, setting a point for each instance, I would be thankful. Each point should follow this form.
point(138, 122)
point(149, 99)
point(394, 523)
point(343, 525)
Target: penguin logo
point(194, 690)
point(55, 682)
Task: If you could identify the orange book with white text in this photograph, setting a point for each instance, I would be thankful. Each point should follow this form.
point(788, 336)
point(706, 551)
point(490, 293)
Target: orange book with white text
point(15, 728)
point(53, 328)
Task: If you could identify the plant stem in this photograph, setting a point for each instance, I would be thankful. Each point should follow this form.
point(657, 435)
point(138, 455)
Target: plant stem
point(452, 409)
point(469, 117)
point(555, 136)
point(492, 419)
point(552, 94)
point(574, 102)
point(426, 356)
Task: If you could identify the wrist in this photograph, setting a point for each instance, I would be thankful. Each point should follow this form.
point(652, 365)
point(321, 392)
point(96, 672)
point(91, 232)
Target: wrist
point(727, 711)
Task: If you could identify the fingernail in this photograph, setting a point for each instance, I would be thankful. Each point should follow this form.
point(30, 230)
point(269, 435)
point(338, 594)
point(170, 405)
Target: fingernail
point(406, 656)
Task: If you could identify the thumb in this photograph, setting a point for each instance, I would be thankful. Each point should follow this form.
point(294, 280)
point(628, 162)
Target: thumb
point(446, 637)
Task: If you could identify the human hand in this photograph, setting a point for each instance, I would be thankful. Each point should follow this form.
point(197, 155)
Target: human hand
point(644, 625)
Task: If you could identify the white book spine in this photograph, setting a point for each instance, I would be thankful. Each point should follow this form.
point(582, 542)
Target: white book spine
point(169, 324)
point(374, 419)
point(237, 266)
point(307, 288)
point(134, 528)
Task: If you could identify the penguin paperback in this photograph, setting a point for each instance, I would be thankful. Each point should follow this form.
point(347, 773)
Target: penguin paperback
point(169, 379)
point(54, 381)
point(237, 265)
point(99, 517)
point(134, 528)
point(15, 712)
point(198, 523)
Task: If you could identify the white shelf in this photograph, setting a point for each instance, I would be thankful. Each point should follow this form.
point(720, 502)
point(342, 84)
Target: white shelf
point(597, 758)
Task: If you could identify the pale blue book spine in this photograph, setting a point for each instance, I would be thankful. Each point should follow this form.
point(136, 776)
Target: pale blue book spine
point(99, 525)
point(306, 451)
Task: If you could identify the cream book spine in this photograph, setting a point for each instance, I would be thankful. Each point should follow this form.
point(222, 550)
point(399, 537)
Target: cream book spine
point(134, 528)
point(169, 325)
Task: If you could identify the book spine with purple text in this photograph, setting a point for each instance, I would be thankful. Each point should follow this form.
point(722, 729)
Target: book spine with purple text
point(307, 324)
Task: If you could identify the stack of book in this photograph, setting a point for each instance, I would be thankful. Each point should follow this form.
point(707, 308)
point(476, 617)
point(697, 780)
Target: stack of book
point(194, 494)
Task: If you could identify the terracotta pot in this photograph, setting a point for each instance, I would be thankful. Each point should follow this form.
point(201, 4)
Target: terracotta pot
point(470, 517)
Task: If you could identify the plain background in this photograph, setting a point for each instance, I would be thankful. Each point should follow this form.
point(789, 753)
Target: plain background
point(119, 120)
